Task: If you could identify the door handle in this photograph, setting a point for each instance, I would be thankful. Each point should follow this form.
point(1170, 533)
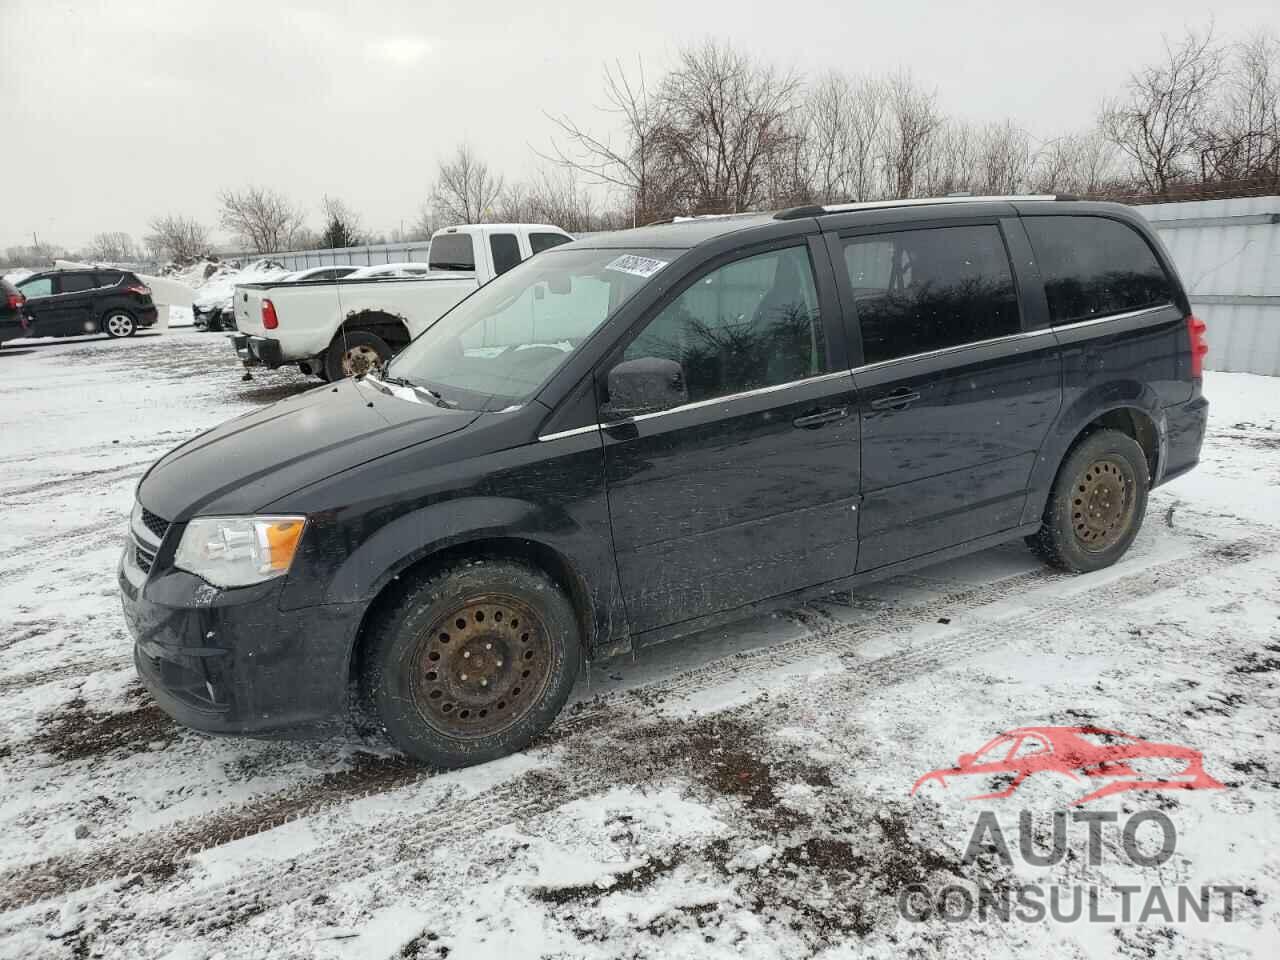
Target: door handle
point(900, 399)
point(814, 420)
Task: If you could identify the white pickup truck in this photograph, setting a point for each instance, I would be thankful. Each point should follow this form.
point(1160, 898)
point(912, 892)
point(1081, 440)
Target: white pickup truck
point(345, 327)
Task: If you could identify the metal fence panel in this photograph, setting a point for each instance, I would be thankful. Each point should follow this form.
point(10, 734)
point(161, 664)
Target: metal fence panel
point(1228, 254)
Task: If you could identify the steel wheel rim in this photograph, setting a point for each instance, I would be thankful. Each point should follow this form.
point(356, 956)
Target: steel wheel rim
point(1102, 503)
point(358, 360)
point(481, 667)
point(119, 325)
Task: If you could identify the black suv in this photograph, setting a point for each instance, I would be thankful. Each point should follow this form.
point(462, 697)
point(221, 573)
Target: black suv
point(641, 434)
point(71, 303)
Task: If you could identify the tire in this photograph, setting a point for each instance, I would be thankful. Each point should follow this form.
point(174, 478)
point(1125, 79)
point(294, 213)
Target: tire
point(354, 353)
point(118, 324)
point(450, 695)
point(1097, 504)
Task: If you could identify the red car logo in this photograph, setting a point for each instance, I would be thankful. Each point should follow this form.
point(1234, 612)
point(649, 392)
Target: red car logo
point(1125, 761)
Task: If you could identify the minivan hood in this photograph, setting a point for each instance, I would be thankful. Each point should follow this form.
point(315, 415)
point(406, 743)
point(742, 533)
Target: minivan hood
point(246, 463)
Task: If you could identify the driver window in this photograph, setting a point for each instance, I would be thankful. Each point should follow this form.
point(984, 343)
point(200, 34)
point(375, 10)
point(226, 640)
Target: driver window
point(748, 324)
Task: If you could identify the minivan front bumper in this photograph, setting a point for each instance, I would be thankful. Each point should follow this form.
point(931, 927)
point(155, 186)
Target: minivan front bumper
point(231, 661)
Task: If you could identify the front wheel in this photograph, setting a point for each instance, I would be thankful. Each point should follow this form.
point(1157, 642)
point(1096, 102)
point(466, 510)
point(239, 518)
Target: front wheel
point(354, 353)
point(119, 324)
point(472, 662)
point(1097, 504)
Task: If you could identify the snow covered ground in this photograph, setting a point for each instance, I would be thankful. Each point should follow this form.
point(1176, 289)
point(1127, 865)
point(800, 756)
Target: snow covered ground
point(744, 793)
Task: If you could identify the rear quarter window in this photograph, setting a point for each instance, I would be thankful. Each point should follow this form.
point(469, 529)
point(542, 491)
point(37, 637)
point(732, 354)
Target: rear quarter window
point(545, 241)
point(1095, 267)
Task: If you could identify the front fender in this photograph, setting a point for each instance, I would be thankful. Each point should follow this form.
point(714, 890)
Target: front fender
point(585, 550)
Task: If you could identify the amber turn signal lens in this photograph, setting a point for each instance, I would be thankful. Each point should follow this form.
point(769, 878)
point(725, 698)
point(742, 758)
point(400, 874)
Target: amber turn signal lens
point(282, 542)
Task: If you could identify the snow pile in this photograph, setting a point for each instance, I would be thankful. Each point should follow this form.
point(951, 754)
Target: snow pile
point(217, 288)
point(21, 273)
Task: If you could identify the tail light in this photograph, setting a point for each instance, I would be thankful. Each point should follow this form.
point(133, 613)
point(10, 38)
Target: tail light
point(269, 318)
point(140, 289)
point(16, 300)
point(1196, 329)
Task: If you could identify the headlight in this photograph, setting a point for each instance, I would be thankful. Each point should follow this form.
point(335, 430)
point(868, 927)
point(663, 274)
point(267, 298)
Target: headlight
point(238, 551)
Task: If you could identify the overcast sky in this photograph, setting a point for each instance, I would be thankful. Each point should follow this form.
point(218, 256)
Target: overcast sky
point(114, 112)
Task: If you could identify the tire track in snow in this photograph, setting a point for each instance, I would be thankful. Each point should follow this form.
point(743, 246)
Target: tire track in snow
point(223, 904)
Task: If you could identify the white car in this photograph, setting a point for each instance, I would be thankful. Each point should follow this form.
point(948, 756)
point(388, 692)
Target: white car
point(391, 270)
point(354, 324)
point(315, 274)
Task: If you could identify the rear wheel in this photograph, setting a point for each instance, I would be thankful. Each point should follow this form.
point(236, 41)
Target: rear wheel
point(472, 662)
point(119, 324)
point(1097, 504)
point(355, 353)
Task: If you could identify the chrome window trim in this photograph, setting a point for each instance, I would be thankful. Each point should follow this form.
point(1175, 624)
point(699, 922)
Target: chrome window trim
point(1128, 315)
point(853, 371)
point(561, 434)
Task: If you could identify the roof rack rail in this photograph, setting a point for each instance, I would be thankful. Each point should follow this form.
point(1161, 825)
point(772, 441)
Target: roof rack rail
point(817, 210)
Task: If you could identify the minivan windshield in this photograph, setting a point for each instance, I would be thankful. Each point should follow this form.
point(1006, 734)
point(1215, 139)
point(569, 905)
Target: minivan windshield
point(500, 345)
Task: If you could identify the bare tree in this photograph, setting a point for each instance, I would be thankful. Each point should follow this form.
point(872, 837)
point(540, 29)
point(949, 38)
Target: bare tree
point(113, 247)
point(465, 189)
point(263, 220)
point(635, 166)
point(1156, 123)
point(842, 128)
point(912, 119)
point(177, 238)
point(1003, 159)
point(947, 161)
point(725, 116)
point(1078, 164)
point(342, 226)
point(1241, 138)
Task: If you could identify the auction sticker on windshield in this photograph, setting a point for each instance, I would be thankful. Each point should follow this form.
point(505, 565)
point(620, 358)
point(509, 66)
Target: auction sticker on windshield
point(637, 266)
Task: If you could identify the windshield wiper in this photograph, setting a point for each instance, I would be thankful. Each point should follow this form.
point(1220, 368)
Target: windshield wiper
point(436, 397)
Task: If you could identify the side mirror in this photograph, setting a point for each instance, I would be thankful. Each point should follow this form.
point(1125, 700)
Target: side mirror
point(965, 760)
point(645, 385)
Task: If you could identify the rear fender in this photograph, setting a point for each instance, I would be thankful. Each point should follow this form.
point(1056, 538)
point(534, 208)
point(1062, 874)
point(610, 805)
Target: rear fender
point(1071, 423)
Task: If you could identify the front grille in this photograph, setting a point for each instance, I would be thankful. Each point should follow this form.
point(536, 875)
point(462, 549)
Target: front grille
point(157, 525)
point(143, 557)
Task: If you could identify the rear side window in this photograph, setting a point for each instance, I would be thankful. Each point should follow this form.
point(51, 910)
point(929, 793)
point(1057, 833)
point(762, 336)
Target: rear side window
point(108, 279)
point(1093, 267)
point(76, 282)
point(922, 290)
point(545, 241)
point(452, 251)
point(506, 252)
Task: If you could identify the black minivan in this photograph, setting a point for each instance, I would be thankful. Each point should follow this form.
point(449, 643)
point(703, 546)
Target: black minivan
point(641, 434)
point(72, 303)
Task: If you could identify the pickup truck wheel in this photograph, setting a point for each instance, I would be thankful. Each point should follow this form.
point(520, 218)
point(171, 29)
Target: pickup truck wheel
point(119, 324)
point(471, 663)
point(1097, 505)
point(355, 353)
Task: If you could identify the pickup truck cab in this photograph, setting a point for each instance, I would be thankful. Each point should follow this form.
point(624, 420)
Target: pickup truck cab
point(642, 434)
point(357, 323)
